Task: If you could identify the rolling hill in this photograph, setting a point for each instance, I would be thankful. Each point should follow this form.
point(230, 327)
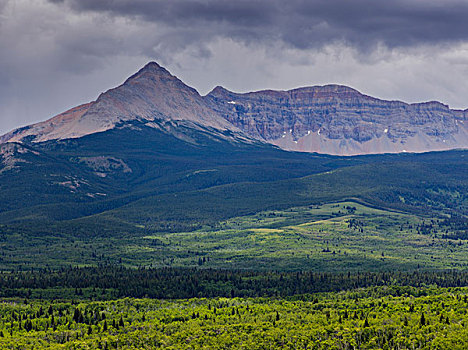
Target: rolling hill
point(153, 158)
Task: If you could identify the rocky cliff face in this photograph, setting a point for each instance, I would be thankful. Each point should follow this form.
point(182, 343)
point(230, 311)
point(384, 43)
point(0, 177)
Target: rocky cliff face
point(329, 119)
point(336, 119)
point(152, 93)
point(12, 154)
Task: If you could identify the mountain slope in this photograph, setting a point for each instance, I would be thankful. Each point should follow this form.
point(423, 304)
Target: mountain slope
point(339, 120)
point(150, 94)
point(101, 171)
point(119, 195)
point(329, 119)
point(113, 182)
point(151, 172)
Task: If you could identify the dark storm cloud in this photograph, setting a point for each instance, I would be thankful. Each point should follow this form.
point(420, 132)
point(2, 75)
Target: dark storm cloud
point(56, 54)
point(178, 12)
point(298, 23)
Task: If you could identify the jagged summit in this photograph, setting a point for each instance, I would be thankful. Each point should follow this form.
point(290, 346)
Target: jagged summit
point(218, 90)
point(337, 119)
point(152, 65)
point(334, 119)
point(329, 88)
point(150, 69)
point(151, 93)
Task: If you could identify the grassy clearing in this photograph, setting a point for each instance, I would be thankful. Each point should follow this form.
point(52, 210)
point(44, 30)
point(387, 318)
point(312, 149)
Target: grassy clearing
point(330, 237)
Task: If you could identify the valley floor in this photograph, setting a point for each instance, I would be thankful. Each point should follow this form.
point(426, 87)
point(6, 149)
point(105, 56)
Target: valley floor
point(334, 237)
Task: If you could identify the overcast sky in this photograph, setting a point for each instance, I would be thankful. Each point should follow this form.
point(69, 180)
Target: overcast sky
point(56, 54)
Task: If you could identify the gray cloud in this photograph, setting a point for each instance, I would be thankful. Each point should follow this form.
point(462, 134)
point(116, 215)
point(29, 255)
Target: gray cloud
point(301, 23)
point(56, 54)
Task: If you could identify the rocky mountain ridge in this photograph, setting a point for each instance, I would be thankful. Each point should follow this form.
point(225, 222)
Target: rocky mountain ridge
point(336, 119)
point(330, 119)
point(150, 94)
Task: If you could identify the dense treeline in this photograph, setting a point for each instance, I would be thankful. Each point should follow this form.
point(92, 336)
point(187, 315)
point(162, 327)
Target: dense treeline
point(371, 318)
point(456, 227)
point(172, 283)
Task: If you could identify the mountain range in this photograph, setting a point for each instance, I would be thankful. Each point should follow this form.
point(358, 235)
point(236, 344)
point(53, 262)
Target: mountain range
point(329, 119)
point(113, 179)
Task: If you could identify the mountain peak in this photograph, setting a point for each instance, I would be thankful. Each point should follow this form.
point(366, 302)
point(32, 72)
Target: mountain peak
point(151, 93)
point(152, 65)
point(219, 91)
point(150, 69)
point(333, 119)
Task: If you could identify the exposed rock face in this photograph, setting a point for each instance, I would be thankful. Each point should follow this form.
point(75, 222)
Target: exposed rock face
point(12, 154)
point(54, 128)
point(329, 119)
point(104, 165)
point(339, 120)
point(152, 93)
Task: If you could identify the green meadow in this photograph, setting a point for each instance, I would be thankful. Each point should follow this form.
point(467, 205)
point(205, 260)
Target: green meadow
point(334, 237)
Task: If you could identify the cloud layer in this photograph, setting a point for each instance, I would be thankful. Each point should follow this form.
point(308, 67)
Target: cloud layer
point(302, 24)
point(58, 53)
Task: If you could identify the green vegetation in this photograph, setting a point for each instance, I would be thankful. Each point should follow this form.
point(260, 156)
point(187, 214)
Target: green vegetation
point(139, 196)
point(373, 318)
point(330, 237)
point(108, 282)
point(89, 224)
point(183, 183)
point(335, 237)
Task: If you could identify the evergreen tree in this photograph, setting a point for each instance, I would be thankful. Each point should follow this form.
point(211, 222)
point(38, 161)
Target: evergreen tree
point(422, 320)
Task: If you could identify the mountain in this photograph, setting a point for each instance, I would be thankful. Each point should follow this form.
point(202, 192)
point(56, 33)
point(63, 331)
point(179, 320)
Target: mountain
point(153, 173)
point(329, 119)
point(339, 120)
point(146, 195)
point(150, 94)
